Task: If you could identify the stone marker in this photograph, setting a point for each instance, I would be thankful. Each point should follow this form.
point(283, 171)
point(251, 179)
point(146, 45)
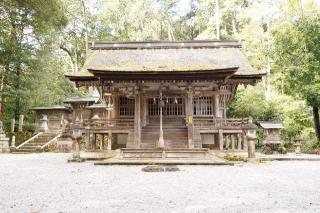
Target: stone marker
point(4, 141)
point(20, 123)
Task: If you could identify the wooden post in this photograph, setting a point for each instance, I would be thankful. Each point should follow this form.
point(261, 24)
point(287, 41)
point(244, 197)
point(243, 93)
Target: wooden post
point(239, 141)
point(189, 113)
point(221, 139)
point(216, 106)
point(232, 142)
point(13, 122)
point(20, 123)
point(144, 111)
point(137, 120)
point(115, 102)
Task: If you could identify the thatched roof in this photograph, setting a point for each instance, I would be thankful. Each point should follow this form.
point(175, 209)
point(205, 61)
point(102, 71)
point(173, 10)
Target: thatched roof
point(57, 107)
point(270, 124)
point(166, 57)
point(90, 99)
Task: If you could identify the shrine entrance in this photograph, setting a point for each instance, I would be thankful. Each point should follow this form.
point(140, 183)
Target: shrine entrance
point(171, 107)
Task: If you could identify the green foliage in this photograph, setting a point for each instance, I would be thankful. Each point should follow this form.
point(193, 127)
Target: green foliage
point(229, 157)
point(295, 115)
point(297, 56)
point(282, 150)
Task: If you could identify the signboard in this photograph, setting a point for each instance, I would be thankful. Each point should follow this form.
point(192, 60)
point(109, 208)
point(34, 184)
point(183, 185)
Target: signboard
point(190, 119)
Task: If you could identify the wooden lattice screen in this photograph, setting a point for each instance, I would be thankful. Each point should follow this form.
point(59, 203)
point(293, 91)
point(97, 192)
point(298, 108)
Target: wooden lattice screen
point(172, 106)
point(126, 106)
point(202, 105)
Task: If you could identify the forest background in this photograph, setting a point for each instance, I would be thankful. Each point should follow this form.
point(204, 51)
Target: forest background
point(41, 40)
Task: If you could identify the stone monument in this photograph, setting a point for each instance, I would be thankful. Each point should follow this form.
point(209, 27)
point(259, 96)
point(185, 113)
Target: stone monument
point(4, 141)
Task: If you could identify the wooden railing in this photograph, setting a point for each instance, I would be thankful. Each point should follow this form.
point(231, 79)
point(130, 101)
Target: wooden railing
point(104, 123)
point(207, 122)
point(53, 140)
point(30, 139)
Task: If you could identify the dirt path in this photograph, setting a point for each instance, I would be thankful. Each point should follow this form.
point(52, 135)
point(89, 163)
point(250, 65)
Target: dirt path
point(46, 183)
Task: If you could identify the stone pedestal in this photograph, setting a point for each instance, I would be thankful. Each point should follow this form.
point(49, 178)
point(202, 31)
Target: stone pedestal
point(4, 143)
point(251, 146)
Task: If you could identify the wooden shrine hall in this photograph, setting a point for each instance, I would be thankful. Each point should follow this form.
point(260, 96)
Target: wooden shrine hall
point(166, 94)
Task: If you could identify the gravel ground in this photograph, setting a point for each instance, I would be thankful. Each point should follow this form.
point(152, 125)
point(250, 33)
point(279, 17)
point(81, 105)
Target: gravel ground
point(46, 183)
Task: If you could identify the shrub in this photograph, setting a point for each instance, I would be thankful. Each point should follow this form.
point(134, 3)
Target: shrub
point(233, 158)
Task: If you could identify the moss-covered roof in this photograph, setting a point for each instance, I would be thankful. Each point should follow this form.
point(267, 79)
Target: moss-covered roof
point(93, 99)
point(57, 107)
point(169, 59)
point(83, 74)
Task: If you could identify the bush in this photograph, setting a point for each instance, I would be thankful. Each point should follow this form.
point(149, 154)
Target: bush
point(282, 150)
point(233, 158)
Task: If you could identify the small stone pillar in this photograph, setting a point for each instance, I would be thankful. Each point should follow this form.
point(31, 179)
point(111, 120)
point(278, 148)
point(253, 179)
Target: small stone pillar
point(232, 142)
point(251, 146)
point(250, 128)
point(13, 122)
point(220, 139)
point(239, 141)
point(4, 141)
point(44, 124)
point(227, 142)
point(297, 144)
point(21, 117)
point(109, 140)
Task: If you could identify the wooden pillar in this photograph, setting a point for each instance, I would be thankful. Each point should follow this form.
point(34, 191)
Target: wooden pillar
point(239, 141)
point(221, 139)
point(115, 101)
point(216, 108)
point(137, 120)
point(144, 109)
point(227, 142)
point(189, 117)
point(232, 138)
point(109, 140)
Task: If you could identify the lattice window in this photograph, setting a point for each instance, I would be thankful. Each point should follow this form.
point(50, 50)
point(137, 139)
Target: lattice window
point(153, 106)
point(172, 106)
point(202, 105)
point(126, 106)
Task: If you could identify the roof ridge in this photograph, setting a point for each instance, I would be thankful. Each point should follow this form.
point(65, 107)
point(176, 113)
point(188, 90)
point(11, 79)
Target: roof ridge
point(164, 44)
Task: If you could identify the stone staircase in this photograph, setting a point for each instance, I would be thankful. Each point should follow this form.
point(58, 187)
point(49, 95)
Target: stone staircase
point(175, 134)
point(33, 145)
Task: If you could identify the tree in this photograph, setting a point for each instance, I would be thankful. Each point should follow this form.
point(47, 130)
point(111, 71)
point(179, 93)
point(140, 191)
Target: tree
point(27, 33)
point(297, 56)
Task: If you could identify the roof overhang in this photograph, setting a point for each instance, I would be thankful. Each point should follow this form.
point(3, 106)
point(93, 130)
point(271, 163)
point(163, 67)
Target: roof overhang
point(167, 75)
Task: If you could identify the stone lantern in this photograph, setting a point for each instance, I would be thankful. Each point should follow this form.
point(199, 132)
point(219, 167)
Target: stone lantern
point(44, 124)
point(76, 137)
point(251, 134)
point(297, 144)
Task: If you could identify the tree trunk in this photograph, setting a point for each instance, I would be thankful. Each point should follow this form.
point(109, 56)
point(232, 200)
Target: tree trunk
point(2, 87)
point(17, 104)
point(316, 122)
point(217, 19)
